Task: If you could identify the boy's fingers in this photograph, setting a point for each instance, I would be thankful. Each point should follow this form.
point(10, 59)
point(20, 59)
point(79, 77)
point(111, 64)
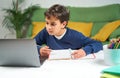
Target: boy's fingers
point(46, 47)
point(74, 53)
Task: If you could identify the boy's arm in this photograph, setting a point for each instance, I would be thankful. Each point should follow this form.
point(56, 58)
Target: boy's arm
point(90, 45)
point(40, 39)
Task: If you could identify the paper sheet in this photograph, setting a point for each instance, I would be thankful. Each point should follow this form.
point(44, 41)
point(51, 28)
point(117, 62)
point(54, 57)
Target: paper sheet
point(60, 54)
point(65, 54)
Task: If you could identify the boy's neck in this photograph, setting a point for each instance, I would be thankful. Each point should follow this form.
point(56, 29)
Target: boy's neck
point(62, 34)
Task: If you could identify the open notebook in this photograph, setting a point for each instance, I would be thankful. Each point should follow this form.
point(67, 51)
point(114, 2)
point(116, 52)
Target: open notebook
point(64, 54)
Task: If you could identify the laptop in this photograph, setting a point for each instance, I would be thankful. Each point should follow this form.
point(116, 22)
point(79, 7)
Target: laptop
point(19, 52)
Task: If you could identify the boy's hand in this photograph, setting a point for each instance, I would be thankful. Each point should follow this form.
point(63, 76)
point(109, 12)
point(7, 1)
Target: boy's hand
point(78, 54)
point(45, 51)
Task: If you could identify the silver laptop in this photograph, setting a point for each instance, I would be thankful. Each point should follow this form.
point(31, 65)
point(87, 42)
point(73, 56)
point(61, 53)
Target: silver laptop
point(19, 52)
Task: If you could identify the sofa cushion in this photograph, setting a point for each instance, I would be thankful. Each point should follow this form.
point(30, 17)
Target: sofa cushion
point(37, 27)
point(115, 34)
point(105, 32)
point(82, 27)
point(96, 27)
point(39, 15)
point(86, 14)
point(95, 14)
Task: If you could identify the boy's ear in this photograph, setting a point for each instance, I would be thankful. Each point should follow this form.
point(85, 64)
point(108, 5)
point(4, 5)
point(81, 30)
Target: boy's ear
point(64, 23)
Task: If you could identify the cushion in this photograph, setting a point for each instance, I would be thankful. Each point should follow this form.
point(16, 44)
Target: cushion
point(96, 27)
point(86, 14)
point(83, 27)
point(115, 34)
point(37, 27)
point(38, 15)
point(29, 32)
point(95, 14)
point(105, 32)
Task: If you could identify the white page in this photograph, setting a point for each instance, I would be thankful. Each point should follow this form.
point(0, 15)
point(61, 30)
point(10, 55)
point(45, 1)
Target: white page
point(60, 54)
point(65, 54)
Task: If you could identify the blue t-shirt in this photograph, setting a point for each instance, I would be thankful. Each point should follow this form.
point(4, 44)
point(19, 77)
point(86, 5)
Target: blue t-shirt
point(72, 39)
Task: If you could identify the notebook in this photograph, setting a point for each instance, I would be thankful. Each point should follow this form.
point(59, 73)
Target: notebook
point(19, 52)
point(65, 54)
point(112, 70)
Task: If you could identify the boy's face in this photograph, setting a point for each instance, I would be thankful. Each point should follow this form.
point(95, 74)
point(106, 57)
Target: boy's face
point(54, 26)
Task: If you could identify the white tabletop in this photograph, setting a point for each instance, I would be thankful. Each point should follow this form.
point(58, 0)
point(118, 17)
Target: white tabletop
point(83, 68)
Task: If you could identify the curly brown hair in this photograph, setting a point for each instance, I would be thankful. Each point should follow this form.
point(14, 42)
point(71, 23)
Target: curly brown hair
point(58, 11)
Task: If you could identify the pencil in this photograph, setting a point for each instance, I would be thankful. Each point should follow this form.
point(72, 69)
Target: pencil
point(118, 44)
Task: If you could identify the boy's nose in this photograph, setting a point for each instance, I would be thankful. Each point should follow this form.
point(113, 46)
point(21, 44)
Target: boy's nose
point(49, 26)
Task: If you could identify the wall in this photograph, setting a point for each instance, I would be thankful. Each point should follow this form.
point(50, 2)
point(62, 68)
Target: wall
point(80, 3)
point(4, 33)
point(3, 4)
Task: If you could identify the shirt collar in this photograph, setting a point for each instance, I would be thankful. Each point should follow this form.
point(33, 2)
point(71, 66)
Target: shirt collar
point(60, 37)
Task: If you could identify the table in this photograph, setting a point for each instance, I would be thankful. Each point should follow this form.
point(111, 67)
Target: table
point(82, 68)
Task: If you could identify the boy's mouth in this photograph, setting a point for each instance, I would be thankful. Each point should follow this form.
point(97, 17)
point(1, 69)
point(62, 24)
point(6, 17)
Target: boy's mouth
point(50, 32)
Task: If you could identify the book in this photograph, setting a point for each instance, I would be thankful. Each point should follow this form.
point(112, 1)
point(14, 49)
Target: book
point(115, 70)
point(107, 75)
point(64, 54)
point(111, 72)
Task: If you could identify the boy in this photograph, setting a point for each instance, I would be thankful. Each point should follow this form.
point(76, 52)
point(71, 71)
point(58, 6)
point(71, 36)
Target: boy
point(57, 36)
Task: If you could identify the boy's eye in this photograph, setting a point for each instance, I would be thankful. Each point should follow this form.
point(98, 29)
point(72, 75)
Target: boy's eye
point(53, 24)
point(46, 22)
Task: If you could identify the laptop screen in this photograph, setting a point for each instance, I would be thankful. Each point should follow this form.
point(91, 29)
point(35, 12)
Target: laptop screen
point(19, 52)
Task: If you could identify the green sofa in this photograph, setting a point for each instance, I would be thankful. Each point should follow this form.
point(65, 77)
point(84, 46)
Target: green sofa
point(99, 16)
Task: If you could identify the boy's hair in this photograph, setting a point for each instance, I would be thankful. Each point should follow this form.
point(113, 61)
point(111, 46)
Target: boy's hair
point(58, 11)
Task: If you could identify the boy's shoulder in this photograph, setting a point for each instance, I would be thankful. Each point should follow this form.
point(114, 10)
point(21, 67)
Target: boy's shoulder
point(72, 30)
point(44, 31)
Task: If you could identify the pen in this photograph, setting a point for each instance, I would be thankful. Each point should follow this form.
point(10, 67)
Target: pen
point(70, 50)
point(93, 56)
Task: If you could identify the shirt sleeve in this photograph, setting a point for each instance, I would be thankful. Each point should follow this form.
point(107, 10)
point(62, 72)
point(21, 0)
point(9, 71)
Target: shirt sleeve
point(90, 45)
point(40, 39)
